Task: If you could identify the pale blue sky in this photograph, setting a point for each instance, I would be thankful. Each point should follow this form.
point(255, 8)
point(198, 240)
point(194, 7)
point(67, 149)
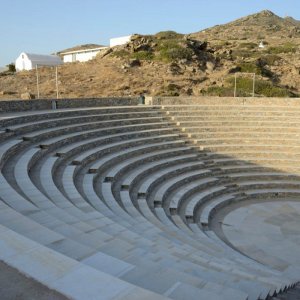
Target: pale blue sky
point(46, 26)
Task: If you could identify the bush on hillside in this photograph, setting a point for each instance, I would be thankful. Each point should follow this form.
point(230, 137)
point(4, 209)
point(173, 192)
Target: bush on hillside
point(11, 67)
point(262, 88)
point(121, 53)
point(238, 53)
point(218, 91)
point(173, 54)
point(171, 50)
point(286, 48)
point(168, 35)
point(248, 45)
point(142, 55)
point(257, 68)
point(271, 59)
point(169, 90)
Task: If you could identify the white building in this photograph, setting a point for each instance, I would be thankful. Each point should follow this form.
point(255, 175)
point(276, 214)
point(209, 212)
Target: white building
point(119, 40)
point(28, 61)
point(80, 55)
point(261, 45)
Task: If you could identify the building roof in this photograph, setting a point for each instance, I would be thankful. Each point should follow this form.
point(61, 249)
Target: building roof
point(42, 58)
point(82, 48)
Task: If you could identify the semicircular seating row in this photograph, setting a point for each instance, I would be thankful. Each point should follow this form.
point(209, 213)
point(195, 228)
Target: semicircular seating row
point(131, 192)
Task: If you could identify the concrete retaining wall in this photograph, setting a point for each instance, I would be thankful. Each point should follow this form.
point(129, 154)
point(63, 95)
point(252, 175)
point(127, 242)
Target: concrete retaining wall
point(25, 105)
point(263, 101)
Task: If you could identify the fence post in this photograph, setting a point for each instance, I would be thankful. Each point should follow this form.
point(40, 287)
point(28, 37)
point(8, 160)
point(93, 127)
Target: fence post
point(37, 81)
point(253, 94)
point(56, 82)
point(53, 104)
point(234, 93)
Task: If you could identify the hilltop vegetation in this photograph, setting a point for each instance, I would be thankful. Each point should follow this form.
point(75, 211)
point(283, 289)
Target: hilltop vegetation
point(170, 63)
point(166, 46)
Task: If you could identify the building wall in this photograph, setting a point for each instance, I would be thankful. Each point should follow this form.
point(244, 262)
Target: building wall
point(23, 63)
point(84, 56)
point(67, 58)
point(119, 41)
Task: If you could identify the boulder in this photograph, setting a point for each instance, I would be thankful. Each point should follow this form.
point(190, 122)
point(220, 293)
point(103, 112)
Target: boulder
point(131, 63)
point(135, 37)
point(27, 96)
point(2, 93)
point(134, 63)
point(210, 66)
point(103, 53)
point(141, 47)
point(197, 45)
point(174, 69)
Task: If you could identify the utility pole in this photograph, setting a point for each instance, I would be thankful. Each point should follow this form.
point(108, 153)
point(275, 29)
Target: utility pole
point(56, 82)
point(253, 93)
point(37, 81)
point(235, 79)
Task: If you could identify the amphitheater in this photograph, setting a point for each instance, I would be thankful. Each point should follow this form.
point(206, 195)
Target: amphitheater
point(181, 198)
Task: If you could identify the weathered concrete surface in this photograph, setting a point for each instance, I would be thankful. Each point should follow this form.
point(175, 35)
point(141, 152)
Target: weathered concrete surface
point(268, 232)
point(16, 286)
point(261, 101)
point(42, 104)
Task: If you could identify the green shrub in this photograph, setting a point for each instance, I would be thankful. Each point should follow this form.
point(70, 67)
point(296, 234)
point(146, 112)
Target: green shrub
point(218, 91)
point(11, 67)
point(271, 59)
point(173, 54)
point(251, 67)
point(244, 86)
point(169, 90)
point(262, 88)
point(169, 44)
point(248, 45)
point(221, 45)
point(237, 53)
point(286, 48)
point(121, 53)
point(267, 89)
point(172, 50)
point(143, 55)
point(167, 35)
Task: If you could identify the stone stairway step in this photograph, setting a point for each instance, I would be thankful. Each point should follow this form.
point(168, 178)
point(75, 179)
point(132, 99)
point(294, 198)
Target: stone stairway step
point(97, 186)
point(61, 273)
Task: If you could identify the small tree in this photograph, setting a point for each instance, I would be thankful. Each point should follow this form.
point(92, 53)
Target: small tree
point(11, 67)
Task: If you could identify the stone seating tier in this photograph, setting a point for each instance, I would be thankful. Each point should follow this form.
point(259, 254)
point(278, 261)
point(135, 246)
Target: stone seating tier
point(136, 196)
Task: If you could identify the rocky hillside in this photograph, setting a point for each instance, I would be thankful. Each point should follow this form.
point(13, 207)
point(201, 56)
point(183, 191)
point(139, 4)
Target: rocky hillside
point(261, 26)
point(169, 63)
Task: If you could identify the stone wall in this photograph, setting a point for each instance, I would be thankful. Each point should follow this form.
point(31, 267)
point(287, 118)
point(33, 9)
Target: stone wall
point(263, 101)
point(25, 105)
